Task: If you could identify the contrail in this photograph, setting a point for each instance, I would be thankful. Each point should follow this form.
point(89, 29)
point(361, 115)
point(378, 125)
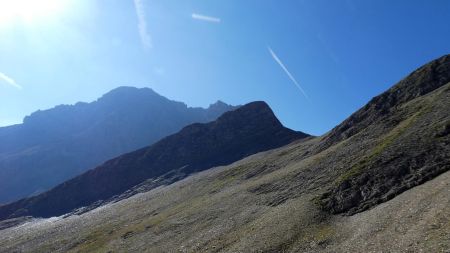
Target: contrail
point(205, 18)
point(275, 57)
point(146, 39)
point(9, 81)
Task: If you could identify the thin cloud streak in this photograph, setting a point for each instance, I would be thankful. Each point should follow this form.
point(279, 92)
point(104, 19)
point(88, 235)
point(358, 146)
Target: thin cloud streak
point(146, 39)
point(9, 81)
point(205, 18)
point(275, 57)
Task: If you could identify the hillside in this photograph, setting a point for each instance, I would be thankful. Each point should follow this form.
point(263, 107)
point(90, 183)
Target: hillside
point(379, 181)
point(54, 145)
point(234, 135)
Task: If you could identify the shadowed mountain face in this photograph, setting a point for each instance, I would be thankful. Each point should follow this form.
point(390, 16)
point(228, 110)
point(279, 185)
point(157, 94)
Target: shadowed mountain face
point(54, 145)
point(236, 134)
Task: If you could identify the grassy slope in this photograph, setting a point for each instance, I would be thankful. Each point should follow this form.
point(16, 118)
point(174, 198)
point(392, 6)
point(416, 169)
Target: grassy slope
point(269, 202)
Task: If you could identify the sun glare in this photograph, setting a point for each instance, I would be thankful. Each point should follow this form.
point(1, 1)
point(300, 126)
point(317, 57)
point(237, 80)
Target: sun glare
point(29, 10)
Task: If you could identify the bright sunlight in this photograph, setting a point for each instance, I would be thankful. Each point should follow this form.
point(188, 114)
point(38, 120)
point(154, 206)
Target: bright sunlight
point(29, 10)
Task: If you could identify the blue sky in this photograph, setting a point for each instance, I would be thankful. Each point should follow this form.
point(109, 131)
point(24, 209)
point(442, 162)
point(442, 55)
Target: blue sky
point(341, 53)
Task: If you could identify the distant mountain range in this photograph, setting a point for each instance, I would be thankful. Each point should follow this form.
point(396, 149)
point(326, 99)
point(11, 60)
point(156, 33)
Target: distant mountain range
point(54, 145)
point(234, 135)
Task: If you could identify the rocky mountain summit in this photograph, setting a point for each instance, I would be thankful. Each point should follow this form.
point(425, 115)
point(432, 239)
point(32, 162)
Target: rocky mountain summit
point(54, 145)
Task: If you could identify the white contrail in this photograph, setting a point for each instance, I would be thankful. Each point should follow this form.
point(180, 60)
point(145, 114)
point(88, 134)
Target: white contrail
point(146, 39)
point(205, 18)
point(9, 81)
point(275, 57)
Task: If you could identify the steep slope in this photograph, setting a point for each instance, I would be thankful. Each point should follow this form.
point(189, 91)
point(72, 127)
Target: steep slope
point(412, 128)
point(54, 145)
point(285, 200)
point(236, 134)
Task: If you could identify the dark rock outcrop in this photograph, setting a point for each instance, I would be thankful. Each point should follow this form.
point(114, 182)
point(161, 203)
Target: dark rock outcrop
point(409, 126)
point(236, 134)
point(422, 81)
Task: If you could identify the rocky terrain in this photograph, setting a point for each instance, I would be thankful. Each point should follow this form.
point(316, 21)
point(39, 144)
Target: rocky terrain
point(234, 135)
point(413, 141)
point(378, 182)
point(54, 145)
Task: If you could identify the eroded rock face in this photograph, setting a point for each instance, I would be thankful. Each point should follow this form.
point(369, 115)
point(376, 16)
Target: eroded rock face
point(422, 81)
point(410, 129)
point(236, 134)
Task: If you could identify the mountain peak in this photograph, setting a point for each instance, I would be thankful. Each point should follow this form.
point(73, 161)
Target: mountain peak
point(247, 130)
point(124, 93)
point(124, 89)
point(254, 112)
point(77, 137)
point(218, 103)
point(218, 108)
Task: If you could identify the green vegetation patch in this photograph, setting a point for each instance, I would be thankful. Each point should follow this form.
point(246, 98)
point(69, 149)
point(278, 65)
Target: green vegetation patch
point(384, 143)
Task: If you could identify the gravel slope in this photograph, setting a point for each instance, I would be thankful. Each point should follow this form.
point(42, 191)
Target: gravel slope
point(189, 216)
point(389, 181)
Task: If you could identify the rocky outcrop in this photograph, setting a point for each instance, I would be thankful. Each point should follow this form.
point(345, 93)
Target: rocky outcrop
point(408, 125)
point(420, 82)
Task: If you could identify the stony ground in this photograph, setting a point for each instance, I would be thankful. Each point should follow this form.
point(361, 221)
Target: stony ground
point(218, 211)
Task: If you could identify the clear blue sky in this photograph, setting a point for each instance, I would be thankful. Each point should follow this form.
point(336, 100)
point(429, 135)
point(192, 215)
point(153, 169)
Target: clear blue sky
point(341, 53)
